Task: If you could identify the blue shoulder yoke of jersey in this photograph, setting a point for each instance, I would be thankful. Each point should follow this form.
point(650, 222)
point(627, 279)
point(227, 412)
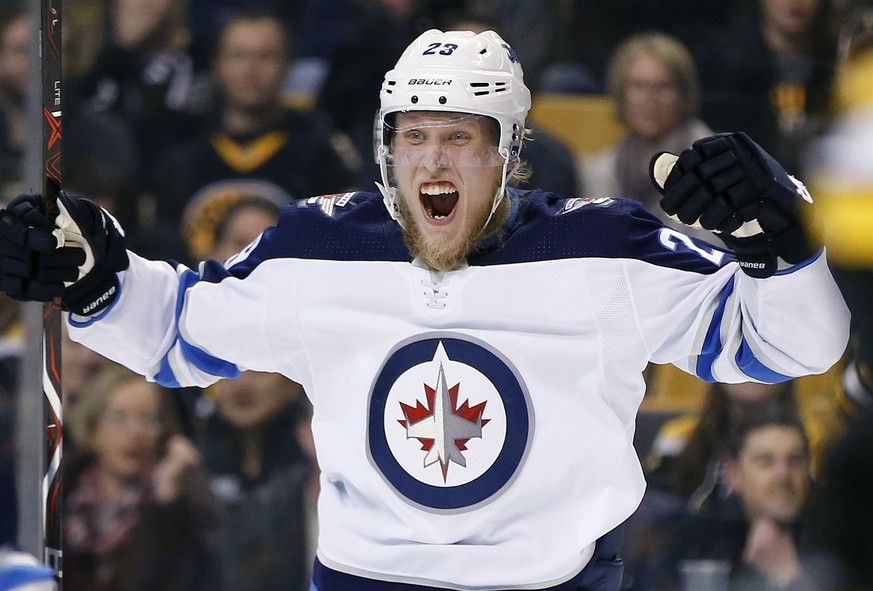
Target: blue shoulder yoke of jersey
point(544, 226)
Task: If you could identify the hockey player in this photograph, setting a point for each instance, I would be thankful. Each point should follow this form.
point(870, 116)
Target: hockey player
point(474, 354)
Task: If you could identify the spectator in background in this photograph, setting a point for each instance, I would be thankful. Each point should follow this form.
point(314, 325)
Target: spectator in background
point(146, 75)
point(85, 35)
point(843, 522)
point(760, 528)
point(206, 18)
point(654, 84)
point(839, 166)
point(136, 514)
point(101, 160)
point(250, 433)
point(687, 452)
point(16, 39)
point(684, 466)
point(256, 143)
point(219, 226)
point(596, 28)
point(771, 74)
point(261, 478)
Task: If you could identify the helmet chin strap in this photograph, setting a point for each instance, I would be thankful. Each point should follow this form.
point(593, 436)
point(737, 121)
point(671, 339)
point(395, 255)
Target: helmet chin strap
point(389, 193)
point(501, 191)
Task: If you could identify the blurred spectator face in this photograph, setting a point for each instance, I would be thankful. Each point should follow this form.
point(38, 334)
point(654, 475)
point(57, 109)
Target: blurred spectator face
point(251, 63)
point(127, 435)
point(650, 97)
point(241, 229)
point(752, 391)
point(253, 397)
point(16, 39)
point(399, 9)
point(771, 473)
point(136, 22)
point(79, 366)
point(790, 17)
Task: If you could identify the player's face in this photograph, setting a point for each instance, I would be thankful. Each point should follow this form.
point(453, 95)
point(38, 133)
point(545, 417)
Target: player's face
point(447, 171)
point(771, 474)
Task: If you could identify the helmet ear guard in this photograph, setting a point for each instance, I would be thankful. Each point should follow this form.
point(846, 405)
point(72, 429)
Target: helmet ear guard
point(455, 71)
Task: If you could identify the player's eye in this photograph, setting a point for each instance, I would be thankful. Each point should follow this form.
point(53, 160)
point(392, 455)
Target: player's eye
point(414, 136)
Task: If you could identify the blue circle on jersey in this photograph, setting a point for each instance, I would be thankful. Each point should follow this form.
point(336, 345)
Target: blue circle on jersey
point(449, 421)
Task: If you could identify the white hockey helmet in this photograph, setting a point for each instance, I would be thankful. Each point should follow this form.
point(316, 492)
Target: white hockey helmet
point(455, 71)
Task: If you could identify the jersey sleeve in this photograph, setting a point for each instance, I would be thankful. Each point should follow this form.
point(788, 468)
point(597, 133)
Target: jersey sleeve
point(184, 327)
point(696, 309)
point(729, 327)
point(145, 329)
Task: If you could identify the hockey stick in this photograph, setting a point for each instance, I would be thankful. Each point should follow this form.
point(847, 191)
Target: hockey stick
point(50, 66)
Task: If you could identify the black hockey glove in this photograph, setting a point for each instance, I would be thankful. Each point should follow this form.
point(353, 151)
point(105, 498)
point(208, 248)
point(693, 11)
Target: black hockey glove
point(32, 268)
point(728, 184)
point(78, 259)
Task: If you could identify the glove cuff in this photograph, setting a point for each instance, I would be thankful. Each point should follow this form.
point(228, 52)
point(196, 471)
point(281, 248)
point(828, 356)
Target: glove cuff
point(755, 255)
point(92, 294)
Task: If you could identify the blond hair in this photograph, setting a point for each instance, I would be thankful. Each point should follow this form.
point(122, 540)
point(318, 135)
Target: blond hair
point(82, 418)
point(669, 51)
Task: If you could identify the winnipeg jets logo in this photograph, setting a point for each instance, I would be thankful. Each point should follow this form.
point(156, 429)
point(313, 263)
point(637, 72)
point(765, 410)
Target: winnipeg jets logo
point(441, 426)
point(449, 421)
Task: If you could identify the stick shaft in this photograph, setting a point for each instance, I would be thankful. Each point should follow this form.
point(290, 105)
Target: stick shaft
point(50, 66)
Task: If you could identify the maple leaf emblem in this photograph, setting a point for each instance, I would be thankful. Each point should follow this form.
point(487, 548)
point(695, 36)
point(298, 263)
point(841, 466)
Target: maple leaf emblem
point(442, 427)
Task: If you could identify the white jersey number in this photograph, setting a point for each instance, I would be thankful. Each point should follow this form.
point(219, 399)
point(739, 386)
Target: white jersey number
point(672, 238)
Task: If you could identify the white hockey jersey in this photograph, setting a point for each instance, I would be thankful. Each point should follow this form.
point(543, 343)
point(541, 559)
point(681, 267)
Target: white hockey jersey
point(474, 428)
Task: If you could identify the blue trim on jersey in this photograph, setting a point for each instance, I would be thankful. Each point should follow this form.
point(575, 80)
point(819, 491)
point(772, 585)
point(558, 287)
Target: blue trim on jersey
point(712, 342)
point(801, 264)
point(197, 357)
point(92, 319)
point(753, 367)
point(165, 376)
point(18, 575)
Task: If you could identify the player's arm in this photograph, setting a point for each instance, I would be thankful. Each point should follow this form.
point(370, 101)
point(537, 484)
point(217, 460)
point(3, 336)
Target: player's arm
point(119, 304)
point(783, 315)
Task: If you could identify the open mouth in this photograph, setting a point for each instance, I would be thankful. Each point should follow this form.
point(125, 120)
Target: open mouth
point(438, 200)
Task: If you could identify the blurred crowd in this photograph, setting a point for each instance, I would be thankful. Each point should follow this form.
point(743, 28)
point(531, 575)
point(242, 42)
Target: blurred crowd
point(195, 121)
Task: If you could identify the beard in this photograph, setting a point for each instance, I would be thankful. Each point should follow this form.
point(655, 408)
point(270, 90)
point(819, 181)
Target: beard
point(442, 255)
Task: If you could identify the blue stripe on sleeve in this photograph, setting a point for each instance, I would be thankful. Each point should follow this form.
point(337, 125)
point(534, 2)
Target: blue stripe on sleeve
point(753, 367)
point(712, 342)
point(197, 357)
point(165, 376)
